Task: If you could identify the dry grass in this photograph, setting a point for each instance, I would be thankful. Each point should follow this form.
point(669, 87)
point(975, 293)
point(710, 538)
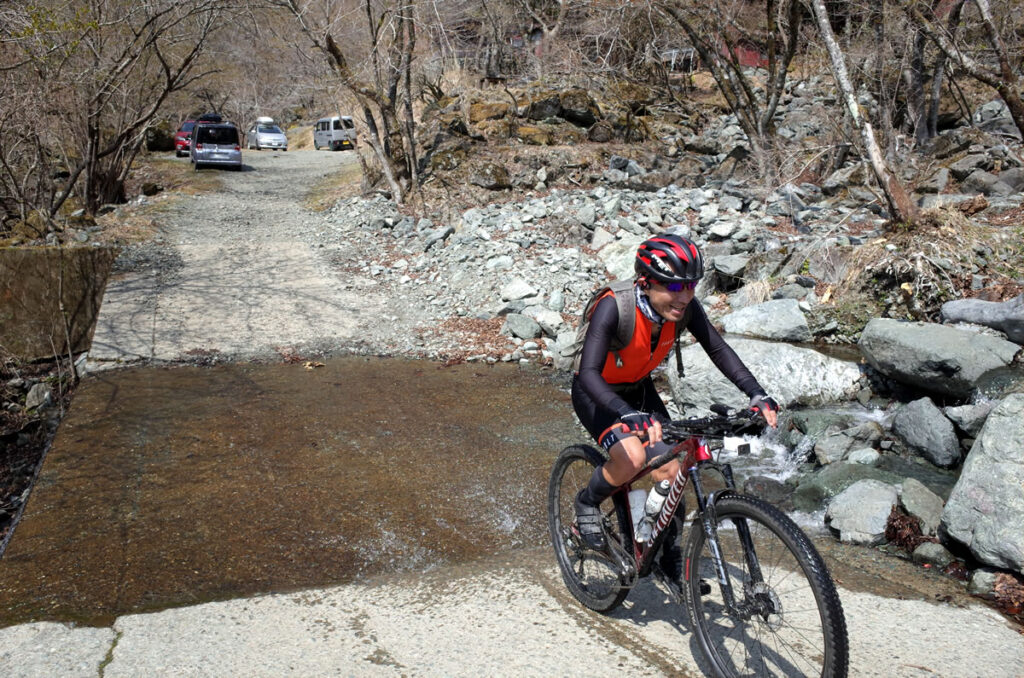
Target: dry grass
point(174, 174)
point(924, 266)
point(345, 183)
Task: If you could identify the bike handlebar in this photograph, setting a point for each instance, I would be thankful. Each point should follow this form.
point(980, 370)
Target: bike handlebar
point(742, 422)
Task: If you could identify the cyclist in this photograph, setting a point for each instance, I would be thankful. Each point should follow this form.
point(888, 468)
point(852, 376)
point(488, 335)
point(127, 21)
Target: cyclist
point(612, 390)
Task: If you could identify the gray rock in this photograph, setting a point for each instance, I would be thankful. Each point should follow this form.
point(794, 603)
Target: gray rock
point(865, 455)
point(586, 215)
point(500, 263)
point(933, 357)
point(1014, 177)
point(860, 512)
point(1007, 316)
point(732, 265)
point(944, 199)
point(985, 511)
point(931, 553)
point(936, 183)
point(490, 176)
point(969, 418)
point(517, 289)
point(779, 320)
point(619, 257)
point(550, 322)
point(962, 168)
point(601, 238)
point(791, 291)
point(436, 236)
point(792, 375)
point(921, 503)
point(39, 395)
point(521, 326)
point(836, 447)
point(773, 491)
point(831, 449)
point(816, 489)
point(983, 581)
point(844, 178)
point(925, 429)
point(980, 181)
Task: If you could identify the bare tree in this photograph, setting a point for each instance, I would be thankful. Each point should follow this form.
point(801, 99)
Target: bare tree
point(96, 75)
point(382, 85)
point(901, 207)
point(719, 38)
point(1003, 78)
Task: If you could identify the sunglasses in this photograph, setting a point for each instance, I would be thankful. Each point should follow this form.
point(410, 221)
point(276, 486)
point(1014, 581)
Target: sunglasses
point(680, 286)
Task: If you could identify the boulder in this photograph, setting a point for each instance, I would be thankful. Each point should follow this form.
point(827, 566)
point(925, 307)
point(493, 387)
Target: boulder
point(517, 289)
point(932, 553)
point(1014, 177)
point(860, 512)
point(985, 511)
point(792, 375)
point(936, 183)
point(932, 357)
point(601, 132)
point(579, 108)
point(39, 395)
point(836, 447)
point(544, 106)
point(986, 183)
point(1007, 316)
point(518, 325)
point(924, 428)
point(487, 110)
point(490, 176)
point(854, 175)
point(779, 320)
point(965, 166)
point(969, 418)
point(816, 489)
point(921, 503)
point(619, 256)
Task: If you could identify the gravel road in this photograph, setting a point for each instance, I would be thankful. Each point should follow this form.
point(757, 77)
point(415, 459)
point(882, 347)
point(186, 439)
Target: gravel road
point(242, 272)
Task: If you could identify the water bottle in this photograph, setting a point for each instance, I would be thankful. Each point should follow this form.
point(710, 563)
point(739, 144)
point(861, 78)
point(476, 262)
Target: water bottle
point(652, 508)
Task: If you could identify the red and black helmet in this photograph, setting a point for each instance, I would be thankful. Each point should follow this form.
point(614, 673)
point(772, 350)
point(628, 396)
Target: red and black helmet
point(669, 258)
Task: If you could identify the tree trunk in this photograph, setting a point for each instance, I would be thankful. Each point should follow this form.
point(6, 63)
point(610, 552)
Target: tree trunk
point(901, 208)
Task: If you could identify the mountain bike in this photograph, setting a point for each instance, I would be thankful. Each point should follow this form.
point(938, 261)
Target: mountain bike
point(775, 610)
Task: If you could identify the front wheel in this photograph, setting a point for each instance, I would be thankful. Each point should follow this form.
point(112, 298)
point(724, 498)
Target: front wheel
point(592, 577)
point(787, 619)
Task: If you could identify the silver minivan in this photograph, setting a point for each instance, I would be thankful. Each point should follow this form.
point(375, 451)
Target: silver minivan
point(334, 133)
point(216, 144)
point(266, 134)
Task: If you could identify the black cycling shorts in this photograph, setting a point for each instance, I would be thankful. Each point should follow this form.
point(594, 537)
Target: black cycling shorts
point(641, 396)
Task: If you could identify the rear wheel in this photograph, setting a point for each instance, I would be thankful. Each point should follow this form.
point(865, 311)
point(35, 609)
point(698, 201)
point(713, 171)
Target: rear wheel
point(788, 620)
point(594, 578)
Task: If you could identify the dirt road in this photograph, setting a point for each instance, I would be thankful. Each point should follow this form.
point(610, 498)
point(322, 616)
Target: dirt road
point(240, 273)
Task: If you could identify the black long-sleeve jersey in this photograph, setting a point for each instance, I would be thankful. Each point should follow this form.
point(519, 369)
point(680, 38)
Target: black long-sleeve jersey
point(603, 326)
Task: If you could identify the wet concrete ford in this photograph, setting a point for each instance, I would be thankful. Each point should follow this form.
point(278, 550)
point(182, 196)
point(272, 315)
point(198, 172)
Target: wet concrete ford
point(167, 487)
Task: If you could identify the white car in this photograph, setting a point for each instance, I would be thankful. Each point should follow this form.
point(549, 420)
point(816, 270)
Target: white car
point(266, 134)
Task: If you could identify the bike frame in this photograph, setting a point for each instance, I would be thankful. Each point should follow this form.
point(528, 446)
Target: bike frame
point(695, 456)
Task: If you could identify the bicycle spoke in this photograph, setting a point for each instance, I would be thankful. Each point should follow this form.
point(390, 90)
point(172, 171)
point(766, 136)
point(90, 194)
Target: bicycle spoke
point(778, 627)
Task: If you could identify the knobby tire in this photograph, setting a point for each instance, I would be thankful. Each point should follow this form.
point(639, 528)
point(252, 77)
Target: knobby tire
point(593, 578)
point(799, 629)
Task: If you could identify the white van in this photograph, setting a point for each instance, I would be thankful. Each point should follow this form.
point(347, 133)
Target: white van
point(334, 133)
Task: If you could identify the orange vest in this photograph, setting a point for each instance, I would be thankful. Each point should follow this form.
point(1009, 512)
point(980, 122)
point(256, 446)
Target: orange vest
point(637, 359)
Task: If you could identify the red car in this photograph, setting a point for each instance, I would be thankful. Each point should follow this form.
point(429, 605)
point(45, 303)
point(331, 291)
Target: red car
point(183, 138)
